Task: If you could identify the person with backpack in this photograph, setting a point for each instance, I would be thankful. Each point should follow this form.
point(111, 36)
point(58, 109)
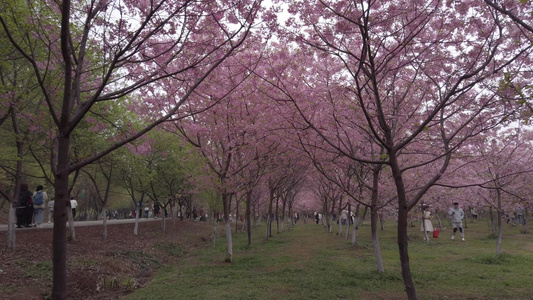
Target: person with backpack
point(24, 210)
point(39, 198)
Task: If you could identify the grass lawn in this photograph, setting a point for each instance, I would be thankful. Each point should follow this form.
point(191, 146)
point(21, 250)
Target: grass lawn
point(306, 262)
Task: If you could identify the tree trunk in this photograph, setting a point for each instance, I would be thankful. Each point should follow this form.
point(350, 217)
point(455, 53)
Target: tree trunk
point(354, 233)
point(277, 215)
point(11, 241)
point(61, 211)
point(11, 228)
point(104, 224)
point(355, 225)
point(375, 239)
point(403, 211)
point(215, 232)
point(268, 226)
point(492, 225)
point(347, 227)
point(349, 221)
point(237, 216)
point(340, 225)
point(229, 242)
point(499, 239)
point(164, 221)
point(283, 216)
point(381, 222)
point(136, 226)
point(269, 216)
point(526, 215)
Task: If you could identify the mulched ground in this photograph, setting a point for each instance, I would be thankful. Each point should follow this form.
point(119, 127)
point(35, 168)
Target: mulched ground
point(97, 268)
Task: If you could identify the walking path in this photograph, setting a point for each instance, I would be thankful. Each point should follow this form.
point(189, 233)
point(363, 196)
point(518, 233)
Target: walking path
point(3, 226)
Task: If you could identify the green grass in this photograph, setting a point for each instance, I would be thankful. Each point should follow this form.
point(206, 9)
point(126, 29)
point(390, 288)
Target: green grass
point(308, 263)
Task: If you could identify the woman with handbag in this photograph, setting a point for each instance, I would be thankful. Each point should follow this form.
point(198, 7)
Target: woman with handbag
point(426, 225)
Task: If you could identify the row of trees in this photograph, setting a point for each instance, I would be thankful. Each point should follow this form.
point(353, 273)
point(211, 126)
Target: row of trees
point(374, 105)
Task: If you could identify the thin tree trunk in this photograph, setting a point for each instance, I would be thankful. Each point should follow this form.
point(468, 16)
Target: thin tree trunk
point(215, 232)
point(354, 233)
point(499, 239)
point(348, 225)
point(136, 226)
point(349, 221)
point(61, 216)
point(374, 218)
point(355, 227)
point(492, 225)
point(340, 225)
point(402, 236)
point(269, 217)
point(229, 242)
point(11, 241)
point(237, 215)
point(267, 226)
point(164, 221)
point(104, 224)
point(375, 239)
point(526, 215)
point(277, 215)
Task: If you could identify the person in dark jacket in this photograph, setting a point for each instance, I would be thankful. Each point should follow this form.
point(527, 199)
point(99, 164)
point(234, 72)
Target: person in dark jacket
point(24, 207)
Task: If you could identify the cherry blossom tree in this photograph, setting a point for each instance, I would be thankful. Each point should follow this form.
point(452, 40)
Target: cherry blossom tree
point(158, 52)
point(422, 91)
point(503, 161)
point(225, 135)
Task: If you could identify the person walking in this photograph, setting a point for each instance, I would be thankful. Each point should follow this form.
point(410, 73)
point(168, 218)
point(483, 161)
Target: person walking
point(146, 210)
point(39, 199)
point(155, 208)
point(457, 214)
point(194, 213)
point(426, 225)
point(73, 206)
point(24, 210)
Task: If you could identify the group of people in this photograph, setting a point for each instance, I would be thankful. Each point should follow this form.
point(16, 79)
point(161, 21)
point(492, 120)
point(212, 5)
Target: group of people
point(155, 211)
point(456, 214)
point(516, 217)
point(31, 206)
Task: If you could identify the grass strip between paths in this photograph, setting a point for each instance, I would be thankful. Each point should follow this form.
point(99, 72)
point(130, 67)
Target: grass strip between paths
point(306, 262)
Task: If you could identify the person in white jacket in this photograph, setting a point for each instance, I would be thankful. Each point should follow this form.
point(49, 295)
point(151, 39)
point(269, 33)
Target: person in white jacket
point(457, 214)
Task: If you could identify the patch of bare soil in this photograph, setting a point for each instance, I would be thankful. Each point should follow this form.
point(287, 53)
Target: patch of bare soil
point(96, 268)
